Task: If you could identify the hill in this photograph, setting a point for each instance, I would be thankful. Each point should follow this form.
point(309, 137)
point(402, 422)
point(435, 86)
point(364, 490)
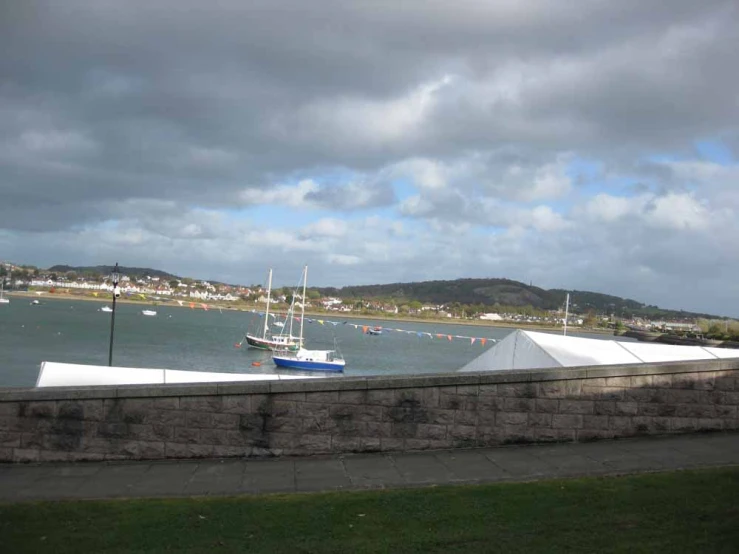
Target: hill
point(503, 293)
point(106, 269)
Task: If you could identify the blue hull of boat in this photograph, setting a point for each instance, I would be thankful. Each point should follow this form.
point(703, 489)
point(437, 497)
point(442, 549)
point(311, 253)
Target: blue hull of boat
point(306, 365)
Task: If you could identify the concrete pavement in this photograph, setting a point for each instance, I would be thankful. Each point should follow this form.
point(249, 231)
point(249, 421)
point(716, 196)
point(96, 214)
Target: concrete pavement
point(364, 471)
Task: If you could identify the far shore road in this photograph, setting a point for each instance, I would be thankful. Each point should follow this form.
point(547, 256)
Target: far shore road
point(46, 295)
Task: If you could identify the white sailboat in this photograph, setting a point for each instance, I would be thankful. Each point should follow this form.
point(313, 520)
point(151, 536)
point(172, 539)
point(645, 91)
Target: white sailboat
point(272, 342)
point(309, 360)
point(3, 300)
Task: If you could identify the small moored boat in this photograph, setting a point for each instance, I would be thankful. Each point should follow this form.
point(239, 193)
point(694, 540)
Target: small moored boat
point(149, 312)
point(106, 309)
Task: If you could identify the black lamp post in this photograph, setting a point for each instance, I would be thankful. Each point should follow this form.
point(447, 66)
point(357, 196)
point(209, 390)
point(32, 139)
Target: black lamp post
point(114, 277)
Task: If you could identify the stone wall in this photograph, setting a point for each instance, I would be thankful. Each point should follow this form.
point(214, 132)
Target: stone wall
point(342, 415)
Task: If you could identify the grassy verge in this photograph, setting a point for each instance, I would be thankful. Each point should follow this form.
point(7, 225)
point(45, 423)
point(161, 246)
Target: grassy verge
point(672, 512)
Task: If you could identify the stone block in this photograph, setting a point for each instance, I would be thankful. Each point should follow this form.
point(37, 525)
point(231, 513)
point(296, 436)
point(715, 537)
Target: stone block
point(201, 403)
point(517, 390)
point(567, 421)
point(376, 430)
point(588, 435)
point(433, 432)
point(175, 450)
point(414, 445)
point(547, 405)
point(31, 440)
point(24, 455)
point(409, 411)
point(151, 450)
point(381, 397)
point(198, 419)
point(724, 381)
point(662, 381)
point(595, 422)
point(594, 382)
point(225, 451)
point(620, 382)
point(641, 381)
point(626, 408)
point(451, 401)
point(200, 450)
point(509, 434)
point(540, 420)
point(486, 418)
point(314, 444)
point(391, 444)
point(353, 397)
point(10, 439)
point(464, 417)
point(695, 410)
point(6, 454)
point(279, 408)
point(619, 423)
point(356, 412)
point(236, 404)
point(38, 409)
point(112, 430)
point(709, 424)
point(517, 404)
point(236, 438)
point(186, 435)
point(309, 409)
point(488, 389)
point(660, 410)
point(604, 407)
point(10, 409)
point(172, 418)
point(576, 406)
point(512, 418)
point(214, 436)
point(284, 424)
point(546, 434)
point(642, 395)
point(468, 390)
point(491, 403)
point(319, 425)
point(461, 432)
point(728, 398)
point(347, 428)
point(90, 410)
point(404, 430)
point(226, 421)
point(345, 444)
point(726, 412)
point(322, 397)
point(560, 389)
point(150, 432)
point(368, 444)
point(440, 417)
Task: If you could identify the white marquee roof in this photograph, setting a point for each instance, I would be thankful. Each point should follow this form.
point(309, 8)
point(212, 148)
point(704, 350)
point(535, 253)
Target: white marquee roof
point(53, 374)
point(532, 350)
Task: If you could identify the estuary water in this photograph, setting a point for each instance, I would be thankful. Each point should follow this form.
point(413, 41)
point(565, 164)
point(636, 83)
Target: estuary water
point(71, 331)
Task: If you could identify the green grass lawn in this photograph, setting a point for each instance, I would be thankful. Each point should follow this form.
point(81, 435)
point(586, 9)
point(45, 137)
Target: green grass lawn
point(673, 512)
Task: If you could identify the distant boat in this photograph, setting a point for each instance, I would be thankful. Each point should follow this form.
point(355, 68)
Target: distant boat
point(309, 360)
point(149, 312)
point(35, 302)
point(374, 331)
point(3, 300)
point(278, 324)
point(106, 309)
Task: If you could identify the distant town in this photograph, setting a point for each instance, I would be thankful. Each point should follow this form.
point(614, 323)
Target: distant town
point(159, 287)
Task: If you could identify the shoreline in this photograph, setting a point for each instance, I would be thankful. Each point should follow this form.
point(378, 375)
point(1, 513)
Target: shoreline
point(313, 314)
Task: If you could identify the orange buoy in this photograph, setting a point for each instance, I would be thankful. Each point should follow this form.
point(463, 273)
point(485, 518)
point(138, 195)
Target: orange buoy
point(256, 364)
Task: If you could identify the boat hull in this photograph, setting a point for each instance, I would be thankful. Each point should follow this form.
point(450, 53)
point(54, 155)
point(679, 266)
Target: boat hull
point(307, 365)
point(266, 344)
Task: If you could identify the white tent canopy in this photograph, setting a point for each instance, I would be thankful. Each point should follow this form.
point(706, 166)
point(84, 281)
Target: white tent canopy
point(530, 350)
point(53, 374)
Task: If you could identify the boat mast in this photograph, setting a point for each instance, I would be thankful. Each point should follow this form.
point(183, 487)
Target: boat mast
point(266, 312)
point(567, 311)
point(302, 305)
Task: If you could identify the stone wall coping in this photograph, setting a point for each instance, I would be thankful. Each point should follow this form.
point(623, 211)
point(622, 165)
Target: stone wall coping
point(14, 394)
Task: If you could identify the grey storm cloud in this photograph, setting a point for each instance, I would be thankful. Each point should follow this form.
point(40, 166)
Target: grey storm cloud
point(145, 124)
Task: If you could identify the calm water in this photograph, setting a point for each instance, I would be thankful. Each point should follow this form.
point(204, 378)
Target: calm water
point(181, 338)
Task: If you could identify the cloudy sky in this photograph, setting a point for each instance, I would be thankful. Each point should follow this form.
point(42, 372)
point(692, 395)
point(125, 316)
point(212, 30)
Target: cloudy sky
point(588, 145)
